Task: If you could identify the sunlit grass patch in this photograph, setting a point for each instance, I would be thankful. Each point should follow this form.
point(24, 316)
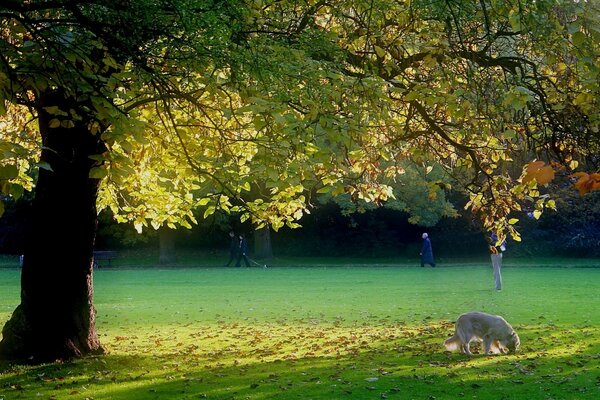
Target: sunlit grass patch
point(325, 333)
point(304, 361)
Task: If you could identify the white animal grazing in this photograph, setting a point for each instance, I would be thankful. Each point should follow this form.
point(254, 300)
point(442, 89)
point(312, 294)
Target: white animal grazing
point(496, 334)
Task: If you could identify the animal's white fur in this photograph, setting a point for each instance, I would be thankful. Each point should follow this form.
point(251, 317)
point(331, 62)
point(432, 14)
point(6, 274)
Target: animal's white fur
point(496, 334)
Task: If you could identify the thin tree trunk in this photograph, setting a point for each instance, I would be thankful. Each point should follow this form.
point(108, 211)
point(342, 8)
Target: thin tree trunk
point(166, 239)
point(262, 243)
point(56, 317)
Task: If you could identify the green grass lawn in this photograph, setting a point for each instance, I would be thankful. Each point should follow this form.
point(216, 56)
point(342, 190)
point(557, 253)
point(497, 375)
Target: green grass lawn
point(325, 332)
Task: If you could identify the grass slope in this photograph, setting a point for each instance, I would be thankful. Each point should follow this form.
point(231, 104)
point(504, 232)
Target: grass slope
point(323, 333)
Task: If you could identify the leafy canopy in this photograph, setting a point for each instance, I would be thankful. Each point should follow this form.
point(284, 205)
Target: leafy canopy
point(200, 103)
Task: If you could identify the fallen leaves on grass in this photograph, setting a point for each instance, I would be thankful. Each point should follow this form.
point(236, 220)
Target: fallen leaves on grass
point(344, 360)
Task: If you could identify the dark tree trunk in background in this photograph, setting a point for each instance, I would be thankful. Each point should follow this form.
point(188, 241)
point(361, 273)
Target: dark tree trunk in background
point(166, 239)
point(56, 317)
point(262, 243)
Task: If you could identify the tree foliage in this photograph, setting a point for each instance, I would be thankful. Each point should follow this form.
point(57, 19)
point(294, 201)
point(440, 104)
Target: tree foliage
point(198, 103)
point(417, 191)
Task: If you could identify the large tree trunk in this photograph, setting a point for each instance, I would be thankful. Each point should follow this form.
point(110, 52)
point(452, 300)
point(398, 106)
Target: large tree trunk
point(262, 243)
point(166, 244)
point(56, 317)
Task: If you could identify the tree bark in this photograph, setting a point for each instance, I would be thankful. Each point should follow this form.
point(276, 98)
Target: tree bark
point(262, 243)
point(166, 244)
point(56, 317)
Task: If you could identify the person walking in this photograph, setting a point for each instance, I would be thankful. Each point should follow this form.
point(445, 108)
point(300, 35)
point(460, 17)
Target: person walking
point(496, 256)
point(234, 246)
point(243, 250)
point(426, 252)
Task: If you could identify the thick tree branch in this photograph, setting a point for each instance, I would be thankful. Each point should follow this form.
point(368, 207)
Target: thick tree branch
point(442, 133)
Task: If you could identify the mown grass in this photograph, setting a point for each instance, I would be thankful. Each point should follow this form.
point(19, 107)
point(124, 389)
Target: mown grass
point(325, 333)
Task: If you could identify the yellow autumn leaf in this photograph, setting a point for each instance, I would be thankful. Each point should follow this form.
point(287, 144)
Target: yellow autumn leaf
point(573, 164)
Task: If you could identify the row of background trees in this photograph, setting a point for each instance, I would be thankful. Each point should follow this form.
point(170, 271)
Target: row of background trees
point(333, 230)
point(573, 231)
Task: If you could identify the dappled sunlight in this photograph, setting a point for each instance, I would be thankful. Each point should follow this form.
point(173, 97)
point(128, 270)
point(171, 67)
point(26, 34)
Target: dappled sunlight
point(295, 360)
point(269, 342)
point(297, 334)
point(292, 361)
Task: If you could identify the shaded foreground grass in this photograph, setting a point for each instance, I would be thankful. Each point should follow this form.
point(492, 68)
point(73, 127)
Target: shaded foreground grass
point(323, 333)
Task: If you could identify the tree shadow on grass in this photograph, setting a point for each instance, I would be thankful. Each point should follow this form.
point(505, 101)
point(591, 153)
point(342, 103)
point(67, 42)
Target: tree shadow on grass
point(557, 363)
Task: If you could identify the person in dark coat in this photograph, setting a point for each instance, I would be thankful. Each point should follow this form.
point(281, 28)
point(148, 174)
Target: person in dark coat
point(427, 252)
point(243, 251)
point(234, 246)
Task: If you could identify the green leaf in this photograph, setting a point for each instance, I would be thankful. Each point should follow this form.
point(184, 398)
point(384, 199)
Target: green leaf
point(44, 165)
point(98, 173)
point(54, 110)
point(67, 123)
point(8, 172)
point(410, 96)
point(16, 191)
point(209, 211)
point(514, 17)
point(578, 38)
point(380, 52)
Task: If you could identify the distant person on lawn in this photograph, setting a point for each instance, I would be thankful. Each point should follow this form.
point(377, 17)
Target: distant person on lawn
point(496, 256)
point(243, 250)
point(426, 252)
point(234, 246)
